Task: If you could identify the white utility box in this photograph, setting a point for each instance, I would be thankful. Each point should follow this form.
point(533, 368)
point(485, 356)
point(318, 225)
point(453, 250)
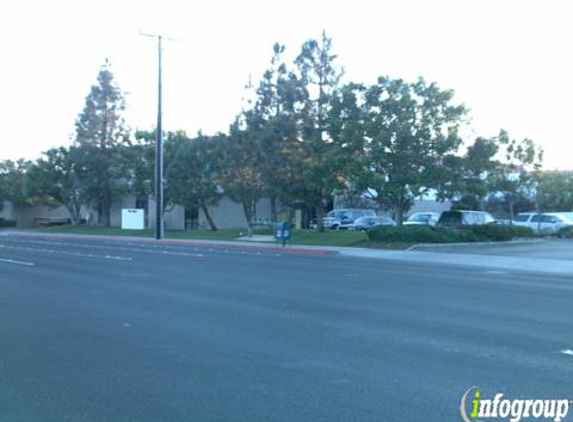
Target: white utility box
point(132, 219)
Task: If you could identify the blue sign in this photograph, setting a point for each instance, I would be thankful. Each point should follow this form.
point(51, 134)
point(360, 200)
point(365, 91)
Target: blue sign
point(282, 231)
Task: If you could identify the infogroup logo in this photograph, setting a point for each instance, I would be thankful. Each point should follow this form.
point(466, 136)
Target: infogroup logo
point(474, 407)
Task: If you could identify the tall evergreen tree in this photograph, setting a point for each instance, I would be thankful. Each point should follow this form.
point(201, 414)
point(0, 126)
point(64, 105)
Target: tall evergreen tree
point(320, 76)
point(99, 130)
point(273, 123)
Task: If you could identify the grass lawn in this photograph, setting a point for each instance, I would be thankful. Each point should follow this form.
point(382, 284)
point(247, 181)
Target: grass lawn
point(299, 237)
point(228, 234)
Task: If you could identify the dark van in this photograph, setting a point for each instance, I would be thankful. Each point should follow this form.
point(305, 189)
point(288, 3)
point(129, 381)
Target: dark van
point(464, 218)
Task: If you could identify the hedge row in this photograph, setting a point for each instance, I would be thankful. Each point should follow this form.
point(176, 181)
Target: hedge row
point(430, 234)
point(566, 232)
point(6, 223)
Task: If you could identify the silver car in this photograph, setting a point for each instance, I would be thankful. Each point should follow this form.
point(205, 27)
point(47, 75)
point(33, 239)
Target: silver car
point(423, 219)
point(336, 219)
point(365, 223)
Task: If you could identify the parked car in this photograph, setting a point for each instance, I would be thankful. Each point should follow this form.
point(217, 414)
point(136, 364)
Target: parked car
point(365, 223)
point(423, 219)
point(548, 222)
point(464, 218)
point(335, 219)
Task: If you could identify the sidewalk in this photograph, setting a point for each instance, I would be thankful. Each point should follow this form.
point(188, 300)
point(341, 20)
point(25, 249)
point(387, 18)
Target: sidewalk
point(506, 263)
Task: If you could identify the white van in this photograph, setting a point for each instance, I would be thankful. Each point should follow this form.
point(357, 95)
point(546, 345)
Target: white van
point(547, 222)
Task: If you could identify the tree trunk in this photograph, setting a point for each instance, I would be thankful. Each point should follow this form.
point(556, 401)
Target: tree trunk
point(398, 214)
point(248, 210)
point(320, 217)
point(20, 217)
point(74, 214)
point(208, 217)
point(273, 200)
point(511, 212)
point(106, 209)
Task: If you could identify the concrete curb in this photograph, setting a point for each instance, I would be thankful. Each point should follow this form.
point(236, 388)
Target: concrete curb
point(446, 245)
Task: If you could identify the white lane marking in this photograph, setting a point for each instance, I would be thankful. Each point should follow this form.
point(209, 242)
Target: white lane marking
point(126, 324)
point(147, 248)
point(55, 251)
point(567, 352)
point(496, 272)
point(13, 261)
point(120, 248)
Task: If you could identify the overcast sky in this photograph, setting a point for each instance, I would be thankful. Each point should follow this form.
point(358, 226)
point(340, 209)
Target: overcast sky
point(509, 61)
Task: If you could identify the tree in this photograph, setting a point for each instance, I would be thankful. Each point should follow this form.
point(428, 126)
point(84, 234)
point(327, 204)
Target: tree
point(99, 131)
point(411, 136)
point(320, 77)
point(194, 172)
point(137, 159)
point(273, 124)
point(240, 176)
point(514, 174)
point(466, 177)
point(59, 178)
point(17, 186)
point(554, 190)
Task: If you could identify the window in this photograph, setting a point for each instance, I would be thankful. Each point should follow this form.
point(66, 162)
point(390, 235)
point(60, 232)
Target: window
point(548, 219)
point(522, 218)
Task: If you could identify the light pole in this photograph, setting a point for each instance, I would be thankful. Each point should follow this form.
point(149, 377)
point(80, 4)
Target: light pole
point(159, 234)
point(159, 226)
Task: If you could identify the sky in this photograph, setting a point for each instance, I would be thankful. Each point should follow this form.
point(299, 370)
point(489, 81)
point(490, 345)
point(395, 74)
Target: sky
point(508, 61)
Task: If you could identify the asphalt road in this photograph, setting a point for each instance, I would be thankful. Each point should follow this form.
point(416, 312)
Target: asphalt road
point(124, 331)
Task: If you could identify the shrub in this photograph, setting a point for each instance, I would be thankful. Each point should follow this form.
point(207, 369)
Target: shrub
point(420, 234)
point(565, 232)
point(429, 234)
point(7, 223)
point(499, 233)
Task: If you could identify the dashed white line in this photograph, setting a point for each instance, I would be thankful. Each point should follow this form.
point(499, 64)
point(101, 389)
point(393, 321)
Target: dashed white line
point(55, 251)
point(13, 261)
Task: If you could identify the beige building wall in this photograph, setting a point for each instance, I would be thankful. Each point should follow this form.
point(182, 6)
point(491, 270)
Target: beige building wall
point(228, 214)
point(7, 212)
point(174, 217)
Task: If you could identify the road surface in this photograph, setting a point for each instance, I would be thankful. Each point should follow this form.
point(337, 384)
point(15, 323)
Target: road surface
point(124, 331)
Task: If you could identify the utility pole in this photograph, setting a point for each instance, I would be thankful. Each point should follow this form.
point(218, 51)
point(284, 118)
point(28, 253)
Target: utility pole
point(159, 226)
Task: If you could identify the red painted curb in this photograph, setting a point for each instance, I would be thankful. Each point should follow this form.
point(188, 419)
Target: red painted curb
point(209, 244)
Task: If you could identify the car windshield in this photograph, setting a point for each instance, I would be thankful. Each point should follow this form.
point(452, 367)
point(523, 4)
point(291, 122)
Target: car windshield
point(521, 218)
point(451, 217)
point(335, 214)
point(420, 218)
